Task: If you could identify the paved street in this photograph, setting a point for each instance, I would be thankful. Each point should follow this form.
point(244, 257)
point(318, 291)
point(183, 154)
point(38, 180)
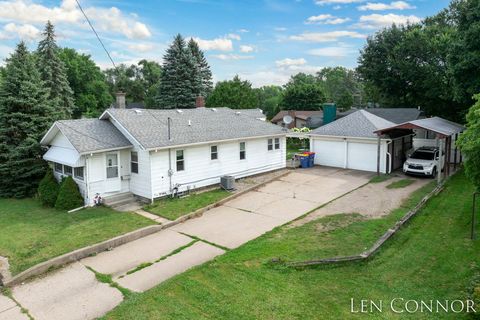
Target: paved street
point(73, 292)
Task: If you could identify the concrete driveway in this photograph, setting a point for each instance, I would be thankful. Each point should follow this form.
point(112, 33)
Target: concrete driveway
point(74, 293)
point(252, 214)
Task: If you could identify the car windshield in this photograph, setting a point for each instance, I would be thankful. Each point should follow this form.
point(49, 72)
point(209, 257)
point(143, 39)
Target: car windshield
point(422, 155)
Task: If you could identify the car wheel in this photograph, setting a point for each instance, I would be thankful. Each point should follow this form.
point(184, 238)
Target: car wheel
point(434, 172)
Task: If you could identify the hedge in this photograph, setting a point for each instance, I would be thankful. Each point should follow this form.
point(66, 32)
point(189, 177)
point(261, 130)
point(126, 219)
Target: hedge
point(48, 189)
point(69, 196)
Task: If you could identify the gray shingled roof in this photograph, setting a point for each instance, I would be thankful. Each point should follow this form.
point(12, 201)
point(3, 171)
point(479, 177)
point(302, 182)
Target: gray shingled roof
point(435, 124)
point(254, 113)
point(89, 135)
point(395, 115)
point(358, 124)
point(188, 126)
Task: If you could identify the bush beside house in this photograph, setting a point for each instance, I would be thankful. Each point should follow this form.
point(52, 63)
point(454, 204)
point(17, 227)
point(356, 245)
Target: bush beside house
point(69, 196)
point(48, 189)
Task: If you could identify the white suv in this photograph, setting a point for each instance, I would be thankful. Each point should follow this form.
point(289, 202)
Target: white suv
point(425, 161)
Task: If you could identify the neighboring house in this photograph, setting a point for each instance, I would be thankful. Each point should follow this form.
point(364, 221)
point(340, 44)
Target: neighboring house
point(299, 118)
point(350, 143)
point(395, 115)
point(137, 151)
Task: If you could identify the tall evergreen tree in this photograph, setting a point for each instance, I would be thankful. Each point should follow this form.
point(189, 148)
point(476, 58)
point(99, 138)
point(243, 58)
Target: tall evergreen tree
point(53, 73)
point(25, 115)
point(180, 79)
point(206, 83)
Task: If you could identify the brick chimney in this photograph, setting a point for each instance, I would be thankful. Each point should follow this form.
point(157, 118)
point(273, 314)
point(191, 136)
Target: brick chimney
point(200, 102)
point(120, 104)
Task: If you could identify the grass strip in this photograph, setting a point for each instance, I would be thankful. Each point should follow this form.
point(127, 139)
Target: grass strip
point(400, 184)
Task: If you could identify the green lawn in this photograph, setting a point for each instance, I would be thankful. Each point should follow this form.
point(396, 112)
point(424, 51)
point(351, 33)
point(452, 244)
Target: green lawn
point(30, 233)
point(400, 184)
point(431, 258)
point(174, 208)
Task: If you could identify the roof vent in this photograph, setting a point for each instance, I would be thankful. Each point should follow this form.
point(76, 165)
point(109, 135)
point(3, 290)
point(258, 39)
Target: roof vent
point(179, 111)
point(137, 111)
point(214, 109)
point(189, 122)
point(237, 113)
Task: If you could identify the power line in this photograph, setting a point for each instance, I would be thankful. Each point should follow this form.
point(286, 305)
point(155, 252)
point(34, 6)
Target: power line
point(96, 34)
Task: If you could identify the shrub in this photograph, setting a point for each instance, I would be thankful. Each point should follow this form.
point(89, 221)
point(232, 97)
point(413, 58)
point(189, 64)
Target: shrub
point(69, 196)
point(48, 189)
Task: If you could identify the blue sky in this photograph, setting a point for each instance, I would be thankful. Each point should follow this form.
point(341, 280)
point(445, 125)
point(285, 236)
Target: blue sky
point(262, 41)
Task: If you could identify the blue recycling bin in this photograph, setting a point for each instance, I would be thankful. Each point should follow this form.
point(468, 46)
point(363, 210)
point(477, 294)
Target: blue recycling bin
point(305, 161)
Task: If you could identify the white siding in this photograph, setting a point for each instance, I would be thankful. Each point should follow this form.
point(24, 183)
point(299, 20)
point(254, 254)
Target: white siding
point(348, 153)
point(201, 171)
point(140, 182)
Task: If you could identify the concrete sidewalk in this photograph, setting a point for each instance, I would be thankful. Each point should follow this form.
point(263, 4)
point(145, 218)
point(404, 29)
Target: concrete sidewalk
point(73, 292)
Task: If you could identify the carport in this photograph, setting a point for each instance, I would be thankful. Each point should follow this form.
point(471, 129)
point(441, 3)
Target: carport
point(434, 131)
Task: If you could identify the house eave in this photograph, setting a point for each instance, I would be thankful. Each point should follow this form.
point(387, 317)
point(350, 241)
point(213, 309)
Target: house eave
point(213, 141)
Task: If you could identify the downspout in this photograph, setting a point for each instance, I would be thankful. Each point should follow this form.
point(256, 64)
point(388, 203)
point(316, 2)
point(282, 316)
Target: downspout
point(87, 185)
point(170, 172)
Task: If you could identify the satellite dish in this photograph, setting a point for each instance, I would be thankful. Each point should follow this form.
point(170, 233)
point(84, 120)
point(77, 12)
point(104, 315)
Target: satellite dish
point(287, 119)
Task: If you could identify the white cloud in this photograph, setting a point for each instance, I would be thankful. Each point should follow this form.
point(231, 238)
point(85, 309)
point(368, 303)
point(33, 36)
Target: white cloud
point(220, 44)
point(110, 20)
point(332, 52)
point(395, 5)
point(290, 62)
point(323, 2)
point(326, 36)
point(281, 29)
point(231, 57)
point(141, 47)
point(246, 49)
point(243, 30)
point(24, 32)
point(326, 19)
point(234, 36)
point(278, 75)
point(375, 21)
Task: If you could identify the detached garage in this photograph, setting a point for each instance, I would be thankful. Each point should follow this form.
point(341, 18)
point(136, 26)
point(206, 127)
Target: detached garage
point(350, 143)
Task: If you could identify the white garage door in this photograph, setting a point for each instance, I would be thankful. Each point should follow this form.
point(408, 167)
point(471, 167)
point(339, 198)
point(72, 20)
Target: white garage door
point(362, 156)
point(329, 153)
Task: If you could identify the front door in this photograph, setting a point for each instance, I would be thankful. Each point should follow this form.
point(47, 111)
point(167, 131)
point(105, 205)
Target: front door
point(112, 167)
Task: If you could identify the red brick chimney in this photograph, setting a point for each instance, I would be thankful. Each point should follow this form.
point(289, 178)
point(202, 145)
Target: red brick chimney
point(200, 102)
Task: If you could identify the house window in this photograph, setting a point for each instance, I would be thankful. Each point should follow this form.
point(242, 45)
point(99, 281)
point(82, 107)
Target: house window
point(270, 144)
point(134, 162)
point(180, 161)
point(242, 151)
point(277, 143)
point(58, 168)
point(78, 173)
point(213, 152)
point(112, 165)
point(67, 170)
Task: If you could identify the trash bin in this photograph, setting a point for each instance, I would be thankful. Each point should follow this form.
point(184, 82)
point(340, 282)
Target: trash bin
point(311, 158)
point(305, 161)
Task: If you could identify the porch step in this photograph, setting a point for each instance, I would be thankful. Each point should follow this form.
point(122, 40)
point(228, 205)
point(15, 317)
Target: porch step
point(120, 199)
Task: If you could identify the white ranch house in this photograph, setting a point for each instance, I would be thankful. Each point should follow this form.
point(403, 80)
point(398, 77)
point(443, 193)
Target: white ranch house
point(151, 153)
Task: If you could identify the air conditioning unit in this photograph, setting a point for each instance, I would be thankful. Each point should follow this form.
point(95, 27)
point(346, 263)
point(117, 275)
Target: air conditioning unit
point(227, 182)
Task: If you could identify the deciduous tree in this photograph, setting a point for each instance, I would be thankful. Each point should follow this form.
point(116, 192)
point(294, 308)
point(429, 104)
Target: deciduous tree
point(235, 94)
